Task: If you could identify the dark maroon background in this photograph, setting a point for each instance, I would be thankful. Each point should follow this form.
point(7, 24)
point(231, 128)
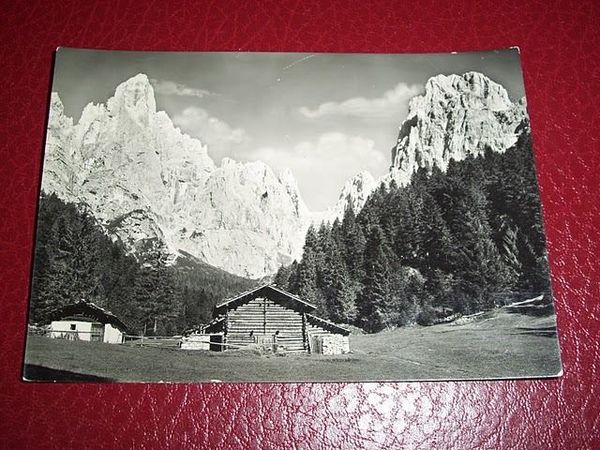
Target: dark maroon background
point(560, 48)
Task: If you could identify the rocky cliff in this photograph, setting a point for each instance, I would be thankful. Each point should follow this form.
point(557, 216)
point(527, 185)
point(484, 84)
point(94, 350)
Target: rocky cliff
point(457, 116)
point(354, 195)
point(145, 180)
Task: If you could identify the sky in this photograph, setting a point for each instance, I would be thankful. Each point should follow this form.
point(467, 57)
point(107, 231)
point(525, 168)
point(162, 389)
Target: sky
point(324, 116)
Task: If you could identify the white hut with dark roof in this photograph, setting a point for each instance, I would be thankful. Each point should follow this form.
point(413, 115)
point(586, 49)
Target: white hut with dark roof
point(84, 321)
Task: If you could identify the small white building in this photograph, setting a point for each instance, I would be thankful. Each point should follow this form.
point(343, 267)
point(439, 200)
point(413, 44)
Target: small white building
point(83, 321)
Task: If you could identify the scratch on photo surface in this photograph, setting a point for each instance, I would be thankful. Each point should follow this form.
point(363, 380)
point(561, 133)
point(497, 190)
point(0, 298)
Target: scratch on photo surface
point(289, 66)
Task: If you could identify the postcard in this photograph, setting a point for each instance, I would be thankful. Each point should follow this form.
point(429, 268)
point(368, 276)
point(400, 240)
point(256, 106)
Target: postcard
point(289, 217)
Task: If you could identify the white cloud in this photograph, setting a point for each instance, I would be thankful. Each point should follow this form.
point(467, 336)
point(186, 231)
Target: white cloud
point(323, 166)
point(388, 103)
point(217, 134)
point(167, 87)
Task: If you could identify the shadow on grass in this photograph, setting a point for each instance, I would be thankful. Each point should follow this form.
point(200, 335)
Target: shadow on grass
point(543, 332)
point(41, 373)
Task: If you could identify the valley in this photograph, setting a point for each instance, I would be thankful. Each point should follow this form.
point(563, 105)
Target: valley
point(497, 345)
point(143, 179)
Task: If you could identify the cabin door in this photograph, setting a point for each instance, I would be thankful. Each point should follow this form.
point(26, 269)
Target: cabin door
point(264, 317)
point(215, 343)
point(262, 337)
point(97, 332)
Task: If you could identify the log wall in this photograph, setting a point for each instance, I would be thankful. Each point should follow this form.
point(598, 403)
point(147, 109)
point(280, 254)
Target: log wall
point(263, 317)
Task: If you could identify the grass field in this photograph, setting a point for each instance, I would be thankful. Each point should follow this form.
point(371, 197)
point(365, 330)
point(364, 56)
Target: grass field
point(497, 345)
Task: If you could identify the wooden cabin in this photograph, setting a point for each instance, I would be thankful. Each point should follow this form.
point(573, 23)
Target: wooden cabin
point(83, 321)
point(269, 315)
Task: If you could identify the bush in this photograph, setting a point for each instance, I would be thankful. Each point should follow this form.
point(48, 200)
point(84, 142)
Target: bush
point(427, 316)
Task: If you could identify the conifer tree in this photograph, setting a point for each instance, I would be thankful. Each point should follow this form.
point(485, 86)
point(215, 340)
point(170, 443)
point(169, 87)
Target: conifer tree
point(373, 301)
point(435, 241)
point(307, 271)
point(409, 233)
point(478, 261)
point(371, 213)
point(292, 283)
point(353, 245)
point(337, 288)
point(463, 239)
point(157, 296)
point(282, 276)
point(70, 247)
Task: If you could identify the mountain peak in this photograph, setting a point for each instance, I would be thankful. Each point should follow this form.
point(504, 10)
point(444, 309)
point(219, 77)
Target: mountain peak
point(287, 177)
point(473, 89)
point(57, 119)
point(56, 103)
point(455, 81)
point(135, 83)
point(135, 96)
point(354, 194)
point(457, 116)
point(147, 181)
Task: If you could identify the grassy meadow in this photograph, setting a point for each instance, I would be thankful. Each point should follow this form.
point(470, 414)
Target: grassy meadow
point(496, 345)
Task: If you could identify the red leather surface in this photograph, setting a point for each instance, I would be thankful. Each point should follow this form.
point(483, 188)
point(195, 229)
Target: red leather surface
point(561, 60)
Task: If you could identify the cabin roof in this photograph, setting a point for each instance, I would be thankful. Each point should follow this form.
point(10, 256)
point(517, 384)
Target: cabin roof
point(88, 310)
point(269, 291)
point(327, 325)
point(214, 325)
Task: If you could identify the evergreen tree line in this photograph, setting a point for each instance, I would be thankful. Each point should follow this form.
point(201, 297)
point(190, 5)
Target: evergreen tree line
point(75, 260)
point(462, 241)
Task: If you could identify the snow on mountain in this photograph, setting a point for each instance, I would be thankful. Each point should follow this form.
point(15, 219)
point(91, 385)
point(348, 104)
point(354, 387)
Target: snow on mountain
point(455, 117)
point(145, 180)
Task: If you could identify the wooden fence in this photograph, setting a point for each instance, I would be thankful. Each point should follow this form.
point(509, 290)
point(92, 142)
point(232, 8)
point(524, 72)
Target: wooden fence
point(165, 342)
point(69, 335)
point(128, 339)
point(152, 341)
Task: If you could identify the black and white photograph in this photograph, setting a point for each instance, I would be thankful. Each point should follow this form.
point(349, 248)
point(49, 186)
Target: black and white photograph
point(289, 217)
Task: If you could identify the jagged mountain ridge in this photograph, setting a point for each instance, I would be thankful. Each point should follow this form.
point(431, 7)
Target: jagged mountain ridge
point(145, 180)
point(456, 116)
